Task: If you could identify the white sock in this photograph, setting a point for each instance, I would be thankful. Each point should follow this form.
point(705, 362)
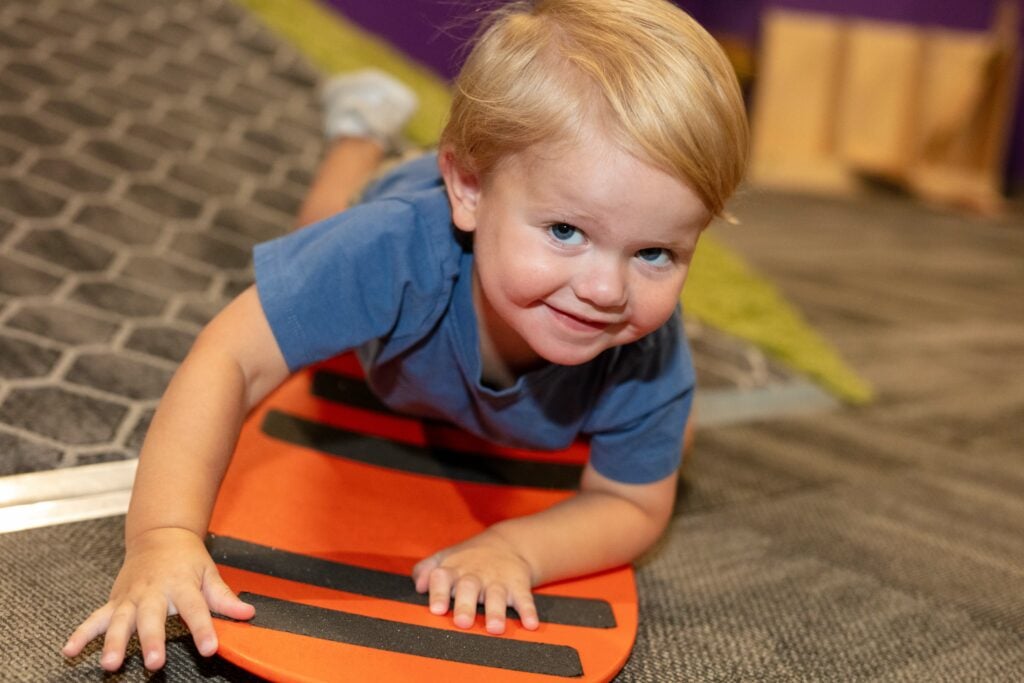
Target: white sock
point(367, 104)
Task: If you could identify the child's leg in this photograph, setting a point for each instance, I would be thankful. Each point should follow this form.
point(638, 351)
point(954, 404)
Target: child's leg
point(364, 114)
point(347, 166)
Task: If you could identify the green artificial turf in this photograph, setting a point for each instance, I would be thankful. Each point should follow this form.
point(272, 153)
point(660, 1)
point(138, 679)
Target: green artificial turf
point(722, 290)
point(334, 44)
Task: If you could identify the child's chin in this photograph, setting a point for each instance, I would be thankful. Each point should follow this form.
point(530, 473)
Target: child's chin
point(562, 356)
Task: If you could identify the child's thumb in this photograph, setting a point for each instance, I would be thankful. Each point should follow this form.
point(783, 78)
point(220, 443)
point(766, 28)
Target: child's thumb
point(223, 600)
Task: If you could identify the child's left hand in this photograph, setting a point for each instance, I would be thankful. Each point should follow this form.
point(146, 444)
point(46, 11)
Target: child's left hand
point(484, 569)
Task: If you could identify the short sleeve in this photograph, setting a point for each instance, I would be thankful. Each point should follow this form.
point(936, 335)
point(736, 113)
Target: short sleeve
point(371, 272)
point(637, 426)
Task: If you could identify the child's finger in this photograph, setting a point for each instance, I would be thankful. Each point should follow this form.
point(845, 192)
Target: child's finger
point(93, 626)
point(193, 611)
point(440, 590)
point(421, 572)
point(119, 630)
point(152, 616)
point(223, 600)
point(467, 597)
point(522, 600)
point(495, 606)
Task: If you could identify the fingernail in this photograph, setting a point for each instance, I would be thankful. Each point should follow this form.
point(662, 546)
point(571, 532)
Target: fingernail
point(209, 646)
point(151, 658)
point(108, 659)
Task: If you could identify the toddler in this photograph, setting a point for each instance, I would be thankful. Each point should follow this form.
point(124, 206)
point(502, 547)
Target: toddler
point(522, 283)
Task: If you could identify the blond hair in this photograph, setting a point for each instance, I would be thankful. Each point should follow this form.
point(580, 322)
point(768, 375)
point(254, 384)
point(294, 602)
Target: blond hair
point(652, 76)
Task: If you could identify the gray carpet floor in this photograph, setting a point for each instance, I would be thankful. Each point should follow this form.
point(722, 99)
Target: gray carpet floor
point(145, 146)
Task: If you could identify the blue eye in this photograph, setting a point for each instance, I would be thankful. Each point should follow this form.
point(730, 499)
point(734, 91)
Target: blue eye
point(566, 234)
point(655, 256)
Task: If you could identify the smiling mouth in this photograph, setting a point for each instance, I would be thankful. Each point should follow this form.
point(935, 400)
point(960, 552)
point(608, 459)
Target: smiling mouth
point(576, 323)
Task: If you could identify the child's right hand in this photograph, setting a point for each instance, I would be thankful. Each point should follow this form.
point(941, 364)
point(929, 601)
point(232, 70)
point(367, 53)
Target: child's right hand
point(166, 571)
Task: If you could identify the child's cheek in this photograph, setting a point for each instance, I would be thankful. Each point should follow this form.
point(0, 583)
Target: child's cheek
point(653, 306)
point(531, 276)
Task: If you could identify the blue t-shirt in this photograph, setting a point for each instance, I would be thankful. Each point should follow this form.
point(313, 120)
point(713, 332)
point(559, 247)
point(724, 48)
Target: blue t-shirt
point(389, 279)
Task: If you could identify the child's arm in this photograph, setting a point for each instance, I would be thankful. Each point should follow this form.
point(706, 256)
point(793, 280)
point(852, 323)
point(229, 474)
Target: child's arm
point(606, 525)
point(234, 363)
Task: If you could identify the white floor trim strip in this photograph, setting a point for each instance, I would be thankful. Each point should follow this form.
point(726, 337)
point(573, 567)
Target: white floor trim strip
point(38, 499)
point(718, 407)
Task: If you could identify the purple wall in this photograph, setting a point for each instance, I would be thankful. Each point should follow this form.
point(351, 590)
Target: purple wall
point(733, 15)
point(433, 31)
point(430, 31)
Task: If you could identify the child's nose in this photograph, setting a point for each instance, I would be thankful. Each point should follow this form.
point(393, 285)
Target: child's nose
point(602, 283)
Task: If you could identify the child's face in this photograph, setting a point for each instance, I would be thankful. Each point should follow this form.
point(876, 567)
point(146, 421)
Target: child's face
point(577, 249)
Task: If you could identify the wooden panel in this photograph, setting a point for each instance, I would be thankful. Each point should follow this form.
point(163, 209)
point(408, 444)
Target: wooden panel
point(953, 82)
point(878, 103)
point(795, 102)
point(928, 109)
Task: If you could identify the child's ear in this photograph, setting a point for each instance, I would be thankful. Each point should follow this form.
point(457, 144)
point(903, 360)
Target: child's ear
point(463, 190)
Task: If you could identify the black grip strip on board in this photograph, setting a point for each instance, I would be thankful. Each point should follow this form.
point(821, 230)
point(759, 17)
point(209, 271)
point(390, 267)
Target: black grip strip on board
point(432, 461)
point(261, 559)
point(338, 388)
point(411, 639)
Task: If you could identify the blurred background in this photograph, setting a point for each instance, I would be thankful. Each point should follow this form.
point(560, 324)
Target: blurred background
point(921, 94)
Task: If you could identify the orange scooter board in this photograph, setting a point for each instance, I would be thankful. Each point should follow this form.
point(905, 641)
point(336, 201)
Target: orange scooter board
point(331, 499)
